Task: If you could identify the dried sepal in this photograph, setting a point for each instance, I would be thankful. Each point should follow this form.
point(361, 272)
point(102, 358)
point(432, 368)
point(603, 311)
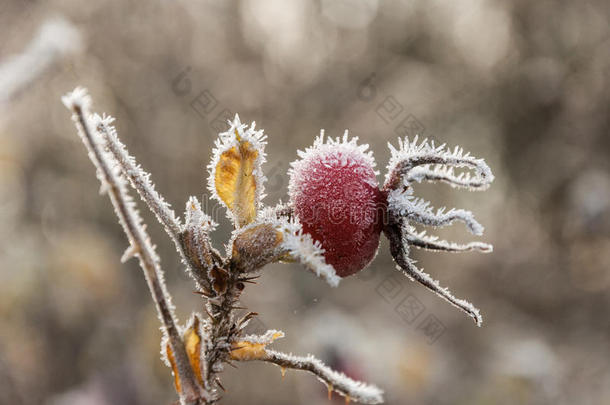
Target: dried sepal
point(399, 248)
point(402, 203)
point(235, 177)
point(196, 240)
point(255, 246)
point(276, 238)
point(280, 211)
point(410, 155)
point(423, 241)
point(253, 347)
point(193, 335)
point(447, 174)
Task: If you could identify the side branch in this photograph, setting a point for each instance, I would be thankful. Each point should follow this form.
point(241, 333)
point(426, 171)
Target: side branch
point(78, 102)
point(140, 181)
point(335, 381)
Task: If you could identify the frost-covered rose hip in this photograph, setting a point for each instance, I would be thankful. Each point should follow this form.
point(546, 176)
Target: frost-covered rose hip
point(335, 195)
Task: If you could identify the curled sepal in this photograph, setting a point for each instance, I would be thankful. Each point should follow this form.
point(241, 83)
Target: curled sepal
point(412, 161)
point(301, 247)
point(252, 347)
point(399, 247)
point(422, 241)
point(193, 336)
point(235, 177)
point(402, 203)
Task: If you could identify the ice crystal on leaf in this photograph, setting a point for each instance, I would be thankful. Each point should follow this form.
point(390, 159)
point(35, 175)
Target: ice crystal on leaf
point(331, 226)
point(236, 177)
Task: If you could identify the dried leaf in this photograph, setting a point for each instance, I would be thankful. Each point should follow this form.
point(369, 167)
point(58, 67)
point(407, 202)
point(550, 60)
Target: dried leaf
point(256, 246)
point(253, 347)
point(236, 177)
point(193, 340)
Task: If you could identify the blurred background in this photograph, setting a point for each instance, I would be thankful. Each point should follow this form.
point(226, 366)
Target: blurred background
point(526, 85)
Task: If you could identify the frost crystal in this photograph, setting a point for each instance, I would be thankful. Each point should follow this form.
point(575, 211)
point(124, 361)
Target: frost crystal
point(138, 177)
point(335, 194)
point(417, 162)
point(404, 204)
point(264, 339)
point(423, 241)
point(306, 251)
point(334, 152)
point(413, 155)
point(236, 177)
point(336, 381)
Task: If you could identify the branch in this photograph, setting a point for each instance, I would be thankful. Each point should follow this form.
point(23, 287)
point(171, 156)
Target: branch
point(335, 381)
point(253, 347)
point(140, 245)
point(140, 181)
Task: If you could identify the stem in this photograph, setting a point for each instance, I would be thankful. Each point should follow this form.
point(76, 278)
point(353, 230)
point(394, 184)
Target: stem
point(141, 246)
point(139, 180)
point(335, 381)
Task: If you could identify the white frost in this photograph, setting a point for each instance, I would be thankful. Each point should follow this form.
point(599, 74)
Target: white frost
point(415, 274)
point(265, 339)
point(336, 381)
point(333, 152)
point(410, 155)
point(404, 204)
point(423, 241)
point(138, 177)
point(227, 140)
point(306, 250)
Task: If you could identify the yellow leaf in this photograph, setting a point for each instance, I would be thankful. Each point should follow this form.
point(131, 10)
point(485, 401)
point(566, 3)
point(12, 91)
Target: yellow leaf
point(192, 342)
point(253, 348)
point(172, 362)
point(234, 180)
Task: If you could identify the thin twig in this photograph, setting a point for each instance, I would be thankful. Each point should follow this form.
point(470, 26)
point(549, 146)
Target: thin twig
point(334, 380)
point(78, 102)
point(140, 181)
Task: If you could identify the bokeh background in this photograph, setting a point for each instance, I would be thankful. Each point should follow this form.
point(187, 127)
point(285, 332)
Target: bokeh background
point(526, 85)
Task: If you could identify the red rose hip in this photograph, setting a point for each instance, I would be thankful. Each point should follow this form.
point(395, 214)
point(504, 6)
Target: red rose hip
point(335, 195)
